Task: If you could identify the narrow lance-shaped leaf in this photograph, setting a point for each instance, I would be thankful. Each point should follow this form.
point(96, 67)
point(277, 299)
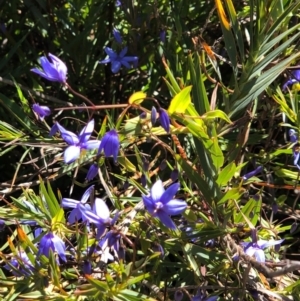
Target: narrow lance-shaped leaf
point(181, 101)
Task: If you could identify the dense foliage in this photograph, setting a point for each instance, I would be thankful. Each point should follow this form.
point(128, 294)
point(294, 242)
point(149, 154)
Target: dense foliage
point(149, 150)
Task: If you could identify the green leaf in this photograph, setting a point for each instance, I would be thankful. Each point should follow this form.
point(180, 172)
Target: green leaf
point(226, 174)
point(234, 193)
point(200, 98)
point(216, 114)
point(181, 101)
point(251, 210)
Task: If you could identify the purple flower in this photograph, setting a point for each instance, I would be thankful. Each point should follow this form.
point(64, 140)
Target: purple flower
point(118, 3)
point(75, 214)
point(255, 248)
point(174, 174)
point(164, 119)
point(178, 295)
point(92, 172)
point(162, 35)
point(54, 69)
point(252, 173)
point(41, 111)
point(160, 203)
point(117, 60)
point(2, 224)
point(153, 115)
point(99, 216)
point(202, 297)
point(53, 130)
point(117, 36)
point(295, 79)
point(110, 144)
point(143, 180)
point(294, 227)
point(77, 143)
point(293, 136)
point(52, 242)
point(87, 267)
point(296, 156)
point(111, 240)
point(20, 265)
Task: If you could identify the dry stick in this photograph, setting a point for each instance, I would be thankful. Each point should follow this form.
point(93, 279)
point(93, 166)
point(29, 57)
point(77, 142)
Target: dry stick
point(100, 107)
point(79, 95)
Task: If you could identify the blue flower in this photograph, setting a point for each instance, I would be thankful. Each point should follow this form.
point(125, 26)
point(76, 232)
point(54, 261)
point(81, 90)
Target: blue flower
point(162, 36)
point(255, 248)
point(110, 144)
point(178, 295)
point(252, 173)
point(160, 203)
point(111, 240)
point(202, 297)
point(295, 79)
point(164, 119)
point(153, 115)
point(99, 216)
point(20, 265)
point(296, 154)
point(77, 143)
point(117, 60)
point(54, 243)
point(293, 135)
point(92, 172)
point(117, 36)
point(75, 214)
point(118, 3)
point(54, 69)
point(41, 111)
point(54, 129)
point(87, 267)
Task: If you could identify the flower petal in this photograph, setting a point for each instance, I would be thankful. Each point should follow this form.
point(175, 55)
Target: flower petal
point(69, 203)
point(157, 191)
point(260, 255)
point(86, 132)
point(75, 215)
point(169, 193)
point(115, 66)
point(265, 243)
point(60, 247)
point(90, 145)
point(71, 154)
point(175, 207)
point(250, 251)
point(164, 120)
point(149, 204)
point(87, 194)
point(60, 67)
point(101, 209)
point(42, 111)
point(112, 54)
point(165, 219)
point(68, 136)
point(123, 52)
point(41, 73)
point(105, 61)
point(130, 58)
point(89, 215)
point(125, 64)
